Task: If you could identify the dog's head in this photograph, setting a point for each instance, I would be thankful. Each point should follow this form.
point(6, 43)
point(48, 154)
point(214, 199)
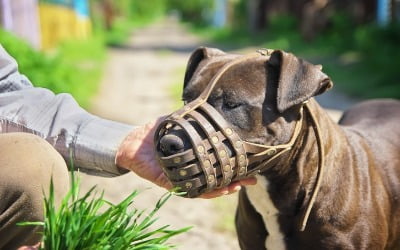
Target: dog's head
point(260, 98)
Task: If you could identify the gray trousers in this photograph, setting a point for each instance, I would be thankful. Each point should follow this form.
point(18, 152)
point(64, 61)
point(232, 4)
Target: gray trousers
point(27, 164)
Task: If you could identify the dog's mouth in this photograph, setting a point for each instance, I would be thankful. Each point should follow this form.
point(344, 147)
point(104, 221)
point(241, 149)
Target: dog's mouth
point(175, 141)
point(178, 158)
point(199, 150)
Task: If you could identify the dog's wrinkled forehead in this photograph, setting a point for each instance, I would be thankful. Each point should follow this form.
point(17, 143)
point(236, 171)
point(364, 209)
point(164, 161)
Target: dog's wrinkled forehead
point(203, 74)
point(296, 79)
point(243, 77)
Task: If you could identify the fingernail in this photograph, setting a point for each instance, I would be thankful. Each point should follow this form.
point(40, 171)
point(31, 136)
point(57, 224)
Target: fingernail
point(237, 188)
point(225, 192)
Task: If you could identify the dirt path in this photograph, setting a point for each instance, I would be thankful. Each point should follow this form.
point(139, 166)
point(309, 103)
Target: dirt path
point(135, 89)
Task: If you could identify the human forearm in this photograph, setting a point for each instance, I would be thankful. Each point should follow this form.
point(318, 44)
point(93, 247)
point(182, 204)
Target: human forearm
point(84, 139)
point(87, 141)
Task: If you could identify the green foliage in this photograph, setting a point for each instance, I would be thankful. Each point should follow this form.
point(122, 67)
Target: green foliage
point(377, 46)
point(135, 13)
point(119, 33)
point(127, 15)
point(90, 222)
point(280, 33)
point(194, 11)
point(361, 60)
point(146, 9)
point(357, 58)
point(239, 10)
point(340, 32)
point(364, 65)
point(282, 24)
point(73, 68)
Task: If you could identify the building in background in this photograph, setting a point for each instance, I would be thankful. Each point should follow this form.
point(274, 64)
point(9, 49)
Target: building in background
point(46, 23)
point(82, 12)
point(61, 20)
point(21, 17)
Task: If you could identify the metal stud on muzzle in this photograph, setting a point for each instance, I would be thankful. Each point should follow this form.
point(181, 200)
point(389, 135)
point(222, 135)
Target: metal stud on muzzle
point(217, 155)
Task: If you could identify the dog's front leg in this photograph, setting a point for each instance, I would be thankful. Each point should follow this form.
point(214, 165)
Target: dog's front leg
point(249, 225)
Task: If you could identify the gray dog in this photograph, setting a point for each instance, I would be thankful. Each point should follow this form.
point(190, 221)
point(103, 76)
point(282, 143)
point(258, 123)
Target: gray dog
point(358, 203)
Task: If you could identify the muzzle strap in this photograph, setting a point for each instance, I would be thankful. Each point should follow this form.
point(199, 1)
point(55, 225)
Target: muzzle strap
point(216, 141)
point(265, 154)
point(200, 152)
point(233, 138)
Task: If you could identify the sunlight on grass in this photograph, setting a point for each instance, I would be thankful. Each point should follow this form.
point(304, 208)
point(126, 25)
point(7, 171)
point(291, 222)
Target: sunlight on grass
point(89, 221)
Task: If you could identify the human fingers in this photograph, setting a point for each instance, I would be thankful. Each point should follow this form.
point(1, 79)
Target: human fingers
point(232, 188)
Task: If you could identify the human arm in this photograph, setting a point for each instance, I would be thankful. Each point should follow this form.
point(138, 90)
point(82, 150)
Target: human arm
point(95, 145)
point(88, 141)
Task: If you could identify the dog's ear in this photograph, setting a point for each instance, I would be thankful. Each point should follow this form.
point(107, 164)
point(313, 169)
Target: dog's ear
point(298, 80)
point(197, 56)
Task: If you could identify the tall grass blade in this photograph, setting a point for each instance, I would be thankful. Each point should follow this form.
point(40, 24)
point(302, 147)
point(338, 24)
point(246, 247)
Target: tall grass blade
point(90, 222)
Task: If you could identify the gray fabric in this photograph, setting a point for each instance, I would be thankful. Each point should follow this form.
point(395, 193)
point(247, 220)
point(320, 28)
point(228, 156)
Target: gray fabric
point(88, 141)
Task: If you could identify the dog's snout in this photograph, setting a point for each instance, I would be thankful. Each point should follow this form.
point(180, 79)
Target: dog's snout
point(171, 144)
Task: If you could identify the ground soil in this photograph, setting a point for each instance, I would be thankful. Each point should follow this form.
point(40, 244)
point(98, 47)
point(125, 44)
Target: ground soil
point(136, 89)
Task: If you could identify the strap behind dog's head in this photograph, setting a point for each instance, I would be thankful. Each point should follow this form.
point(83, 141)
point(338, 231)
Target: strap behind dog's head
point(210, 130)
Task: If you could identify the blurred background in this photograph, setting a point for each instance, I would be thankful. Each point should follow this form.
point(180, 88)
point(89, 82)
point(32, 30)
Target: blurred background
point(356, 41)
point(125, 60)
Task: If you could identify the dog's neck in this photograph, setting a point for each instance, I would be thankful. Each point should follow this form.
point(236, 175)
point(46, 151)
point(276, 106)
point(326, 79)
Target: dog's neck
point(293, 178)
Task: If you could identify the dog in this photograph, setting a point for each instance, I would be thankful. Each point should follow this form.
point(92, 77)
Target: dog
point(357, 204)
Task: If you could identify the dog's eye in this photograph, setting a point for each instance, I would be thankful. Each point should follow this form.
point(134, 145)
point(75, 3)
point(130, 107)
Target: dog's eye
point(232, 105)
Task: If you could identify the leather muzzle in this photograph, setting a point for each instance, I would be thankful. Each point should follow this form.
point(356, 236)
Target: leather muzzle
point(217, 155)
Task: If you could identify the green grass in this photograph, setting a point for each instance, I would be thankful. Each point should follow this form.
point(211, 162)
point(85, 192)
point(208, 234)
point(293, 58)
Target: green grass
point(91, 222)
point(87, 60)
point(74, 67)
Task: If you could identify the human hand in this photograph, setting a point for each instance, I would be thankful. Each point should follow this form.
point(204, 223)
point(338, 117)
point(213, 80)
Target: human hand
point(230, 189)
point(137, 154)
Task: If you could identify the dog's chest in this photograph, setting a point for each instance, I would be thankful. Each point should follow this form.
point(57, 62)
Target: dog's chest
point(261, 201)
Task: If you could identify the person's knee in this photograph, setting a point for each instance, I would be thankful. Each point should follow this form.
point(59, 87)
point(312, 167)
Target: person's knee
point(27, 164)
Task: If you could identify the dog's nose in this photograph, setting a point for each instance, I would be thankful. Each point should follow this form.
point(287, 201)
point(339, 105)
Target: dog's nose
point(171, 144)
